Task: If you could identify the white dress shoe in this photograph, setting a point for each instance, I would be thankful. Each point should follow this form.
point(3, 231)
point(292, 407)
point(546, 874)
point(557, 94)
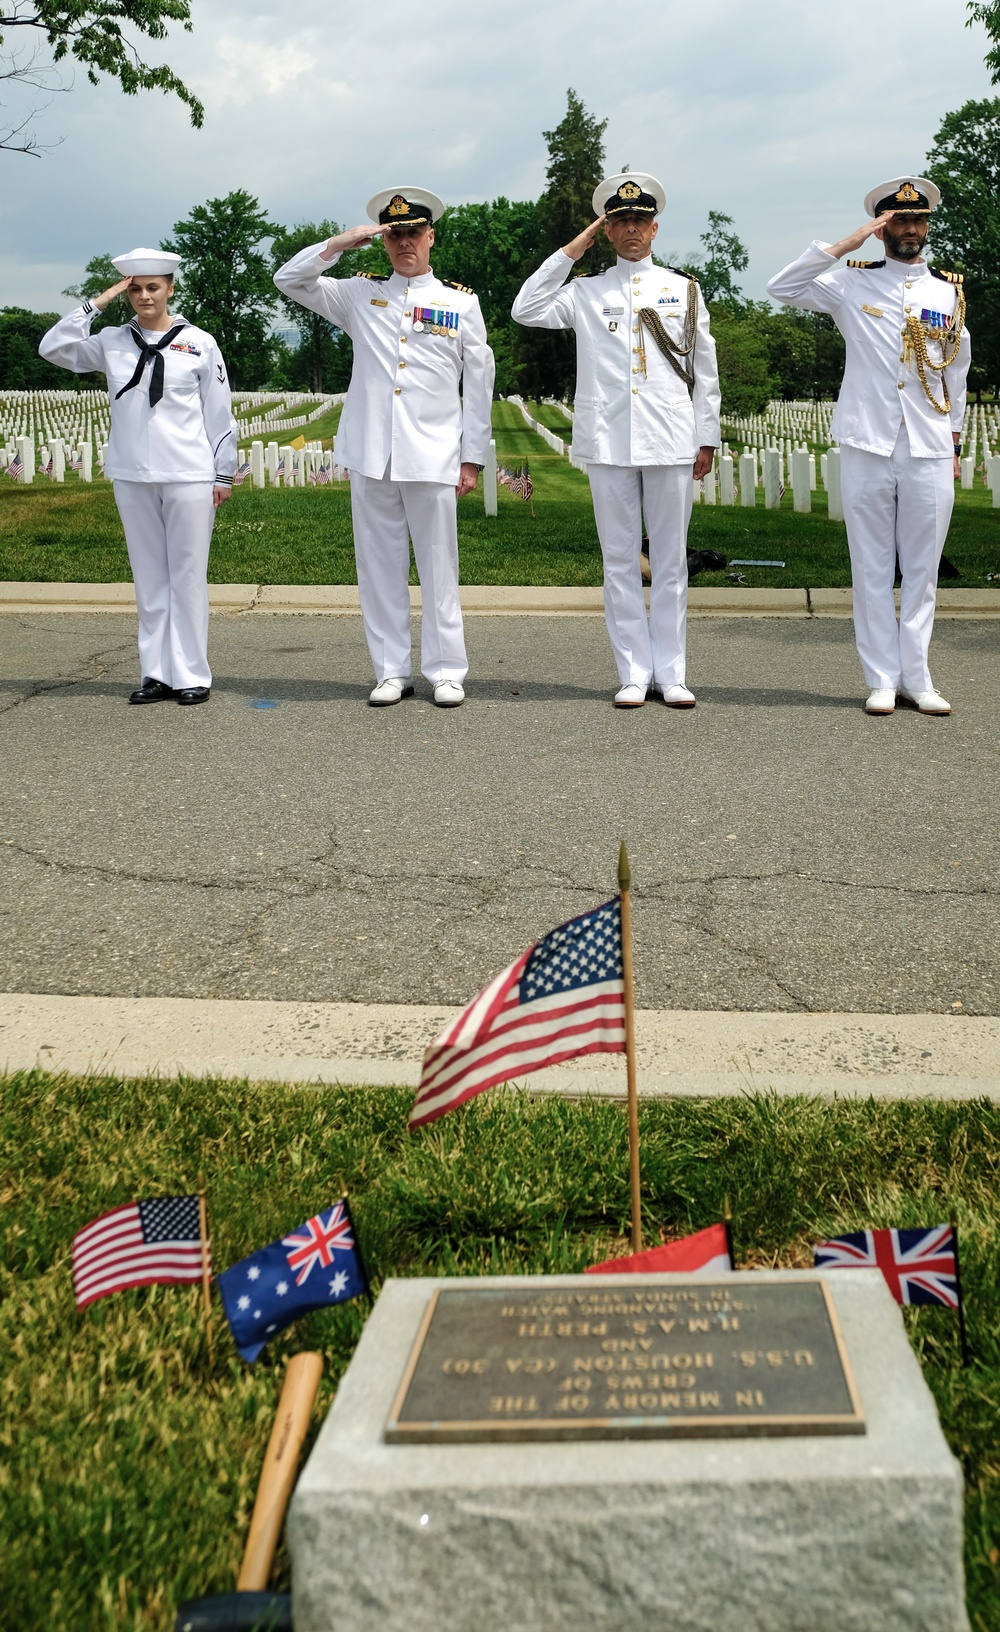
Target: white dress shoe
point(448, 694)
point(630, 697)
point(390, 691)
point(678, 697)
point(881, 701)
point(926, 702)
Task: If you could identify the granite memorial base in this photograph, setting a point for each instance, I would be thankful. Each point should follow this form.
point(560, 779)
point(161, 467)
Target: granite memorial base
point(466, 1481)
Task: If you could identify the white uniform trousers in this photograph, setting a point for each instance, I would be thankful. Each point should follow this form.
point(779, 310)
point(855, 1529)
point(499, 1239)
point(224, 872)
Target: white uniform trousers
point(646, 649)
point(168, 530)
point(894, 502)
point(386, 516)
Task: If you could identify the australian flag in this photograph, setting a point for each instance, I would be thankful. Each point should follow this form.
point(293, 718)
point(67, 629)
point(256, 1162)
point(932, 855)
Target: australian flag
point(319, 1264)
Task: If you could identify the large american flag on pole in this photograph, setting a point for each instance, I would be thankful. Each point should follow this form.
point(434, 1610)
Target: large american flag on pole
point(136, 1245)
point(919, 1265)
point(563, 997)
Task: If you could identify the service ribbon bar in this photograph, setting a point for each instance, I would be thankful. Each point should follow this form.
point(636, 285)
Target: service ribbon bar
point(433, 321)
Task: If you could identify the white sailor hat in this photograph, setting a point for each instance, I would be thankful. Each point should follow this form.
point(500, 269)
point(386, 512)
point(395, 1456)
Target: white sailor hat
point(147, 263)
point(404, 206)
point(906, 195)
point(632, 193)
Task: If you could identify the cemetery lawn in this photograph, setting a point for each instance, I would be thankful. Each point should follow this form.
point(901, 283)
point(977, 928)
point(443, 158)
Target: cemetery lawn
point(130, 1446)
point(71, 532)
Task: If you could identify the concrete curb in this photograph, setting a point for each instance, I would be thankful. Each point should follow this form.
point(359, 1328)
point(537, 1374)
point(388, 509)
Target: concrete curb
point(681, 1053)
point(518, 600)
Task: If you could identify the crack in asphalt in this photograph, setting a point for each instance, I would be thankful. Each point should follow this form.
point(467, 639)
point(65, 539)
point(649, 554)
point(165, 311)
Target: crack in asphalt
point(97, 662)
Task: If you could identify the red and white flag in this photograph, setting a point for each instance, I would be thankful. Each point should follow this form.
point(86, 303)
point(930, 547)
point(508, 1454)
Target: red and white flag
point(704, 1253)
point(142, 1243)
point(563, 997)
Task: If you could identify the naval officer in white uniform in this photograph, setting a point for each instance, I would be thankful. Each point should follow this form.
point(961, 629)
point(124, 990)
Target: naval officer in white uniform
point(171, 457)
point(412, 443)
point(899, 424)
point(645, 420)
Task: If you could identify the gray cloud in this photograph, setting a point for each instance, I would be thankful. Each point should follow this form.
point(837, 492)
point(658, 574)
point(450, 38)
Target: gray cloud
point(782, 115)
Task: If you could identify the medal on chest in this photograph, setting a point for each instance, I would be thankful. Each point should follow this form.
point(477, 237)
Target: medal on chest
point(432, 320)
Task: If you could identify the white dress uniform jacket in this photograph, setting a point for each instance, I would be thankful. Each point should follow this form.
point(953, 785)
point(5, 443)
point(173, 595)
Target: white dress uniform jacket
point(403, 411)
point(869, 305)
point(620, 416)
point(190, 435)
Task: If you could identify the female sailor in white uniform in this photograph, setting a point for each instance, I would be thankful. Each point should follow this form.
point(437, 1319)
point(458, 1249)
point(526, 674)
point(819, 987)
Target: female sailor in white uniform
point(171, 457)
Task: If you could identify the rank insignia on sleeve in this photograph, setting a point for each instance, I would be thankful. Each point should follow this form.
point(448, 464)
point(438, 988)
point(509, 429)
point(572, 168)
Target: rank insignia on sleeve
point(865, 266)
point(374, 277)
point(946, 277)
point(463, 288)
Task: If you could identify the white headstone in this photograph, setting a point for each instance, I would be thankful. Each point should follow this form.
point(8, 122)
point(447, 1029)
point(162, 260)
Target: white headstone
point(772, 478)
point(748, 480)
point(257, 463)
point(800, 481)
point(726, 492)
point(968, 470)
point(490, 480)
point(834, 502)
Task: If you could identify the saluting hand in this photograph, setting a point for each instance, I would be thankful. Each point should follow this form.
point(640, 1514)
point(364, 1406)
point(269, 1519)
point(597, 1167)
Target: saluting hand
point(109, 295)
point(579, 246)
point(353, 238)
point(856, 239)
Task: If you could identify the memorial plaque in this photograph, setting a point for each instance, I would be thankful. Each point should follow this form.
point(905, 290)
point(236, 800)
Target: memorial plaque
point(703, 1357)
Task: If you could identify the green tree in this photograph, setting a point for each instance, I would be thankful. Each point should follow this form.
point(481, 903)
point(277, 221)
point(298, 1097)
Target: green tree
point(546, 362)
point(805, 352)
point(21, 368)
point(965, 227)
point(91, 33)
point(492, 248)
point(318, 363)
point(988, 14)
point(724, 255)
point(228, 288)
point(744, 374)
point(101, 273)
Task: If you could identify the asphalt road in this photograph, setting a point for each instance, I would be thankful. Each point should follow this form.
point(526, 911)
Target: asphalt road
point(288, 842)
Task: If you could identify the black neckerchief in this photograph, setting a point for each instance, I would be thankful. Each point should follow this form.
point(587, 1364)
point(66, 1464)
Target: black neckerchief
point(150, 354)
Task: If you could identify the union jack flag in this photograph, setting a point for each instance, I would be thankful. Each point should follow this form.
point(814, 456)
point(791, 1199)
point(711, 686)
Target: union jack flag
point(319, 1239)
point(919, 1266)
point(563, 997)
point(263, 1294)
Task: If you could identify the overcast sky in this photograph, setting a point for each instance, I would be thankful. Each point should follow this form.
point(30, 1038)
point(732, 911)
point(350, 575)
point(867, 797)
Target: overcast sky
point(781, 114)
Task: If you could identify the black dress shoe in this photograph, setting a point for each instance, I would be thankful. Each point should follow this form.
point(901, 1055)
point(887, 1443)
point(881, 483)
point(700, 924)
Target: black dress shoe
point(152, 691)
point(193, 694)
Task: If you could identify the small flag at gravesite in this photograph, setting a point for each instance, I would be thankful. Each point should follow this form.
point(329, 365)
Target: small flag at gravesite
point(318, 1265)
point(919, 1265)
point(144, 1243)
point(323, 475)
point(707, 1252)
point(15, 467)
point(560, 998)
point(242, 474)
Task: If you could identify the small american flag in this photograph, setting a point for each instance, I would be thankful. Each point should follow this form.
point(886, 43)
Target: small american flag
point(142, 1243)
point(919, 1265)
point(323, 475)
point(242, 474)
point(521, 485)
point(46, 470)
point(563, 997)
point(15, 467)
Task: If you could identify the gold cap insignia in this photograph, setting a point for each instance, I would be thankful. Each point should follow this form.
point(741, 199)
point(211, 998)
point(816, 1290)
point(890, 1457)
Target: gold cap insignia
point(907, 194)
point(399, 206)
point(628, 189)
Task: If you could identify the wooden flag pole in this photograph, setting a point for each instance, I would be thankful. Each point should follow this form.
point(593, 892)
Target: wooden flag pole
point(624, 886)
point(205, 1273)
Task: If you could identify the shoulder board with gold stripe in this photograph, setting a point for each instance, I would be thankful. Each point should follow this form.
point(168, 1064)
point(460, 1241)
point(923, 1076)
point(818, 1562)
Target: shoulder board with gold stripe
point(375, 277)
point(863, 266)
point(463, 288)
point(946, 277)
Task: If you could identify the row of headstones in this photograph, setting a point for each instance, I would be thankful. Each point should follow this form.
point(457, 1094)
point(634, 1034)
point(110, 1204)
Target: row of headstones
point(275, 466)
point(53, 459)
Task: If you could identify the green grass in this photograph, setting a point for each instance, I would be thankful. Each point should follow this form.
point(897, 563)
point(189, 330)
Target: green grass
point(318, 430)
point(130, 1448)
point(52, 533)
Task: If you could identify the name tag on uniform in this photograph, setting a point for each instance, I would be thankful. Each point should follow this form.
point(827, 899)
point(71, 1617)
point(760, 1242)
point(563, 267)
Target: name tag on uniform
point(182, 345)
point(612, 311)
point(873, 311)
point(936, 320)
point(374, 302)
